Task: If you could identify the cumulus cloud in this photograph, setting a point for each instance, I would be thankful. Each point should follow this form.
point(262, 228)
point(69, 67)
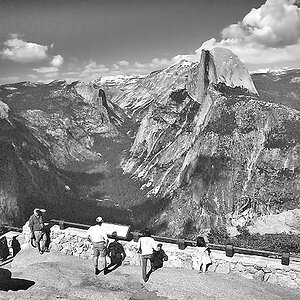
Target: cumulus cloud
point(92, 68)
point(46, 70)
point(115, 67)
point(268, 34)
point(22, 51)
point(123, 63)
point(57, 61)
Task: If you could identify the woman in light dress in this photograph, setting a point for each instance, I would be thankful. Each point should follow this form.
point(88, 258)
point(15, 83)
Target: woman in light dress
point(204, 258)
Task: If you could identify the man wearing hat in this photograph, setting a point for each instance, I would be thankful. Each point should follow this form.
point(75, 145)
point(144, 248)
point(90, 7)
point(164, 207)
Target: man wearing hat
point(36, 226)
point(98, 237)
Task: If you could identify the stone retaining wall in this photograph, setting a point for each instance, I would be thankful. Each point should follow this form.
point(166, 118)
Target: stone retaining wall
point(73, 241)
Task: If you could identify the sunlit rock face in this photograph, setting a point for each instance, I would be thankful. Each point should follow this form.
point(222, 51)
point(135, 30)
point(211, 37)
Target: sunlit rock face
point(196, 137)
point(231, 71)
point(211, 145)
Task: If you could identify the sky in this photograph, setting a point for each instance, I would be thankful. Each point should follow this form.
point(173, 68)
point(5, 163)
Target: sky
point(45, 40)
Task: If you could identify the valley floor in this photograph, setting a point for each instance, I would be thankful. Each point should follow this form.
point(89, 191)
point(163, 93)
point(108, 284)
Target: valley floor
point(57, 276)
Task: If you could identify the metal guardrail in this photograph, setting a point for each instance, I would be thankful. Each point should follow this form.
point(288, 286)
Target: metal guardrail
point(230, 250)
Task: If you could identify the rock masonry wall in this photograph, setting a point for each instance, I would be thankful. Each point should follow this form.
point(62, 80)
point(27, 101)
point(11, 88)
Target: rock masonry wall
point(73, 241)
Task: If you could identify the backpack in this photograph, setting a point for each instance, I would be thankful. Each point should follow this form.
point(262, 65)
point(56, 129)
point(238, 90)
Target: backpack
point(115, 250)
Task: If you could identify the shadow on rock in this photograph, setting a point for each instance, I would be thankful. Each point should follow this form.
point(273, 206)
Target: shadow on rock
point(14, 284)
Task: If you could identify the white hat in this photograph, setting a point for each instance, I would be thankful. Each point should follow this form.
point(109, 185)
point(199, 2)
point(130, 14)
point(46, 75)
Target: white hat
point(99, 219)
point(42, 210)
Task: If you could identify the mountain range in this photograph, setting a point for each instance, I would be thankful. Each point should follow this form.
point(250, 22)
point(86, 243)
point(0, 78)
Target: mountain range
point(182, 150)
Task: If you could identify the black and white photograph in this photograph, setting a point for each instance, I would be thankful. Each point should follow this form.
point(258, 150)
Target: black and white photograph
point(150, 149)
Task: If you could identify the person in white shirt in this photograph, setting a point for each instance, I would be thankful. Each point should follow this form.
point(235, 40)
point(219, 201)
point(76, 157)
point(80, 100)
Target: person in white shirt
point(146, 245)
point(98, 237)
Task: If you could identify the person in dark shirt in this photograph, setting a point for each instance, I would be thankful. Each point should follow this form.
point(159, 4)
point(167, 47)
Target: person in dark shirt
point(157, 260)
point(116, 253)
point(36, 226)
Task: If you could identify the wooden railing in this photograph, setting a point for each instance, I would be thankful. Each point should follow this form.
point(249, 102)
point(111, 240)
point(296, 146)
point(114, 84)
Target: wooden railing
point(230, 250)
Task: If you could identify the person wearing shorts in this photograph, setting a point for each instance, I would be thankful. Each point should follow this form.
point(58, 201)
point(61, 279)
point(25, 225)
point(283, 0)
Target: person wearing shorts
point(98, 237)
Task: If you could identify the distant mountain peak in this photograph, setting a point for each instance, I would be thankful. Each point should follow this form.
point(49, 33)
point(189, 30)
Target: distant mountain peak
point(219, 65)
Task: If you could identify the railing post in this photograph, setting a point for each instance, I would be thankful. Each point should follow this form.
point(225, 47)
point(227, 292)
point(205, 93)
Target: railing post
point(181, 244)
point(61, 225)
point(229, 250)
point(285, 259)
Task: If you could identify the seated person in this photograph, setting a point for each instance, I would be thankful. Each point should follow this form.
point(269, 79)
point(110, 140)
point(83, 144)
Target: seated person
point(158, 258)
point(116, 253)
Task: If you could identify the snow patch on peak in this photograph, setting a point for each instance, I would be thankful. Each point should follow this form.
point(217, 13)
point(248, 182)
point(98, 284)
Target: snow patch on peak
point(117, 79)
point(178, 65)
point(277, 71)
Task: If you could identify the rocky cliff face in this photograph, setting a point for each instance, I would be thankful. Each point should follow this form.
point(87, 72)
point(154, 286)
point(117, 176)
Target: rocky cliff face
point(199, 146)
point(76, 127)
point(26, 172)
point(208, 143)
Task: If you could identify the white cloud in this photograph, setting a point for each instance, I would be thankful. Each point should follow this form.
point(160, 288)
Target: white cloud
point(46, 70)
point(268, 34)
point(51, 75)
point(22, 51)
point(71, 73)
point(57, 61)
point(123, 63)
point(93, 69)
point(115, 67)
point(32, 76)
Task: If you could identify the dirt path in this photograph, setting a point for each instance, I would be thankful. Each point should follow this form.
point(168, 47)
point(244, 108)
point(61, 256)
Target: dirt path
point(57, 276)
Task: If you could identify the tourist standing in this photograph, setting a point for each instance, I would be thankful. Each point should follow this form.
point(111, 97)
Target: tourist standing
point(204, 254)
point(98, 237)
point(146, 245)
point(36, 226)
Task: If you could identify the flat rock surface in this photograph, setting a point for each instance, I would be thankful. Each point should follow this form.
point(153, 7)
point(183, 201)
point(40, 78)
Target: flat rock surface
point(57, 276)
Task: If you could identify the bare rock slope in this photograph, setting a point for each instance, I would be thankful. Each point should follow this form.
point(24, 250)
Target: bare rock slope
point(208, 143)
point(57, 276)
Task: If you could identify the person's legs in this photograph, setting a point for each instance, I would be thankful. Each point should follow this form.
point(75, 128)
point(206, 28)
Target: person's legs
point(38, 236)
point(43, 241)
point(95, 258)
point(102, 257)
point(145, 258)
point(144, 266)
point(101, 263)
point(47, 240)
